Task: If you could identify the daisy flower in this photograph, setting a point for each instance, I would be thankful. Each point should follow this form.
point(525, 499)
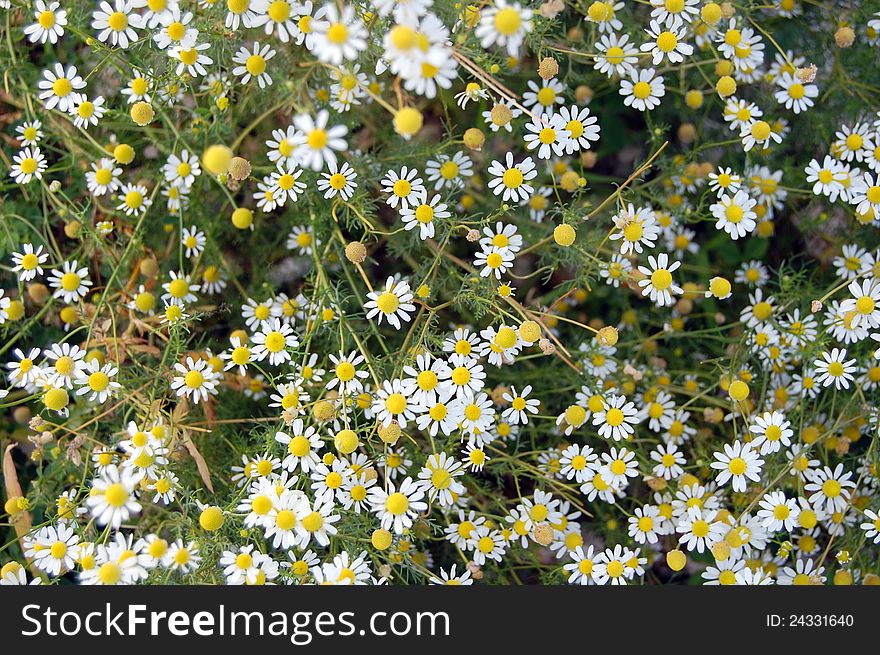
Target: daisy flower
point(759, 133)
point(611, 566)
point(666, 43)
point(28, 263)
point(544, 97)
point(182, 170)
point(510, 180)
point(794, 94)
point(548, 134)
point(339, 35)
point(103, 178)
point(116, 24)
point(112, 499)
point(393, 303)
point(582, 128)
point(772, 431)
point(173, 29)
point(643, 89)
point(97, 380)
point(180, 288)
point(423, 215)
point(669, 461)
point(520, 405)
point(616, 55)
point(505, 24)
point(393, 403)
point(338, 180)
point(252, 63)
point(494, 261)
point(71, 284)
point(398, 507)
point(29, 133)
point(28, 164)
point(274, 340)
point(405, 189)
point(449, 172)
point(738, 462)
point(134, 199)
point(617, 419)
point(865, 194)
point(829, 489)
point(778, 513)
point(438, 477)
point(834, 368)
point(49, 25)
point(346, 377)
point(190, 59)
point(60, 88)
point(196, 380)
point(55, 549)
point(315, 143)
point(659, 284)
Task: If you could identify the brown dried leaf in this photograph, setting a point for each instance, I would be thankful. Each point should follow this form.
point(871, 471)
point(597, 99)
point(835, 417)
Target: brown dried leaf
point(23, 520)
point(201, 464)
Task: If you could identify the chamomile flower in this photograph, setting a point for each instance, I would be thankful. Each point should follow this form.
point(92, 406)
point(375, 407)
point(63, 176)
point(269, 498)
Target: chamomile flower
point(659, 283)
point(112, 499)
point(449, 172)
point(737, 463)
point(642, 89)
point(438, 477)
point(252, 63)
point(71, 283)
point(134, 199)
point(60, 87)
point(405, 189)
point(339, 35)
point(29, 262)
point(735, 214)
point(54, 549)
point(174, 29)
point(397, 506)
point(28, 164)
point(338, 181)
point(195, 380)
point(778, 512)
point(504, 24)
point(511, 180)
point(117, 23)
point(760, 133)
point(29, 133)
point(548, 134)
point(834, 368)
point(190, 59)
point(49, 25)
point(616, 55)
point(393, 303)
point(794, 94)
point(545, 97)
point(669, 461)
point(830, 489)
point(667, 43)
point(617, 419)
point(423, 215)
point(97, 381)
point(494, 261)
point(274, 340)
point(346, 376)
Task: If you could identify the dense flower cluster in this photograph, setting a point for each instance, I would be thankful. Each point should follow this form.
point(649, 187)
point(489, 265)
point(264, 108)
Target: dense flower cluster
point(420, 292)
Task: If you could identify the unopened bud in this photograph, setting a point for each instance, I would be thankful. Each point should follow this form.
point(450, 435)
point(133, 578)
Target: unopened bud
point(355, 252)
point(548, 68)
